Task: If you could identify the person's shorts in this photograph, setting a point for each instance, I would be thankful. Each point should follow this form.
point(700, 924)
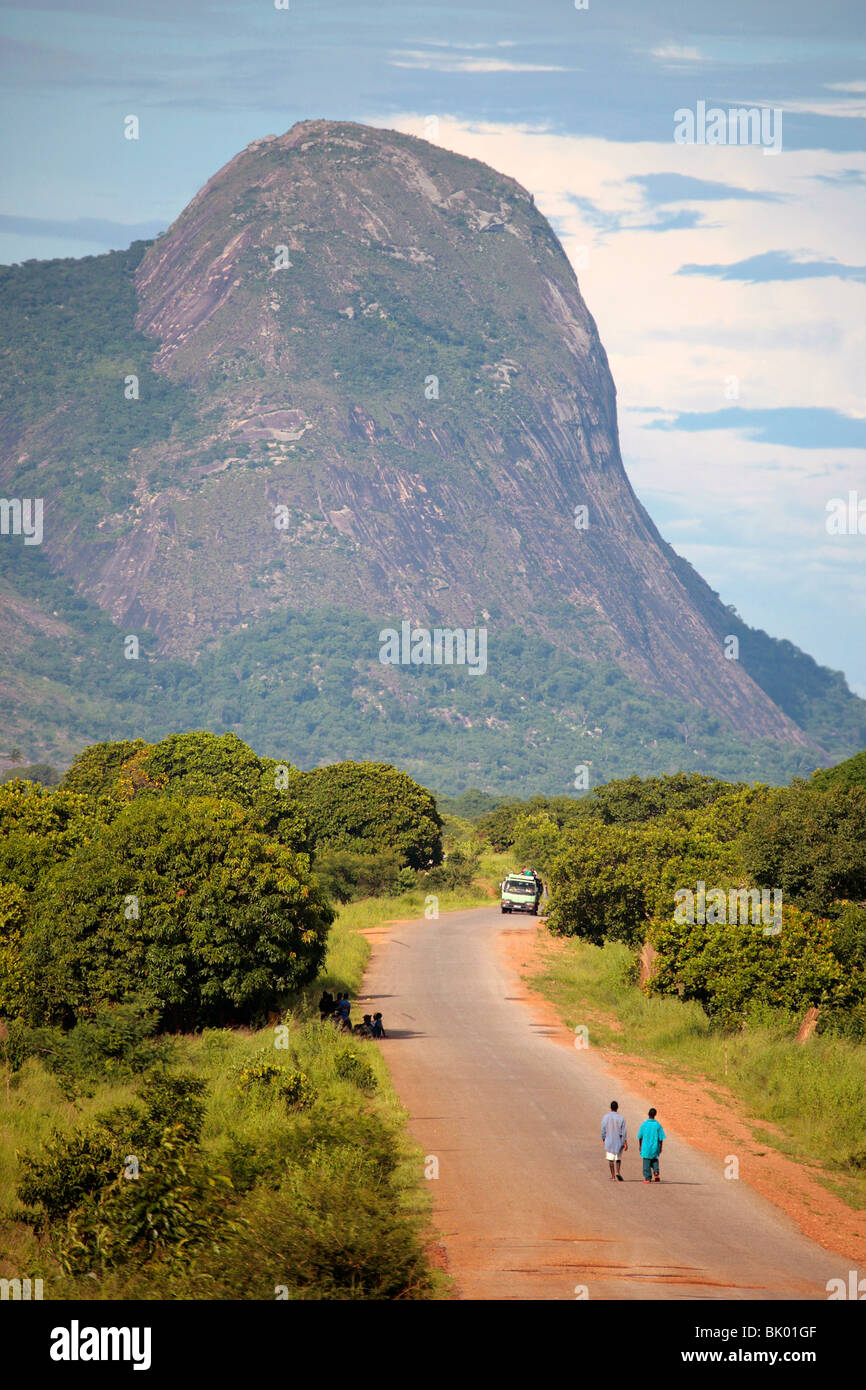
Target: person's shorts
point(612, 1158)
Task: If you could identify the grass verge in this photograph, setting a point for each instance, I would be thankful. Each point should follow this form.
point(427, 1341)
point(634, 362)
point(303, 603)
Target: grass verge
point(812, 1095)
point(323, 1201)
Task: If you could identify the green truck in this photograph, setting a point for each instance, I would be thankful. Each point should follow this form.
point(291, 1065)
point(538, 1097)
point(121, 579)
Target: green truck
point(521, 892)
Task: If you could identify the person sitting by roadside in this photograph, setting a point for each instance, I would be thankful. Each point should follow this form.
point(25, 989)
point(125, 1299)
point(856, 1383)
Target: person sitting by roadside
point(378, 1030)
point(326, 1005)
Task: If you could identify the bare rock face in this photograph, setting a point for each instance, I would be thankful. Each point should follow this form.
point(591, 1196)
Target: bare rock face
point(387, 341)
point(367, 379)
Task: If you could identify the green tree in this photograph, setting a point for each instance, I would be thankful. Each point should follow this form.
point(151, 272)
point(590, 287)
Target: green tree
point(13, 921)
point(596, 884)
point(187, 904)
point(851, 773)
point(536, 836)
point(631, 799)
point(194, 764)
point(39, 828)
point(728, 969)
point(97, 769)
point(205, 764)
point(370, 808)
point(810, 843)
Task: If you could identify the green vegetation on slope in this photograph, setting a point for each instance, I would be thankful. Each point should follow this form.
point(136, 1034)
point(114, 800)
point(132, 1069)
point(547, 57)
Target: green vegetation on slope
point(311, 685)
point(67, 342)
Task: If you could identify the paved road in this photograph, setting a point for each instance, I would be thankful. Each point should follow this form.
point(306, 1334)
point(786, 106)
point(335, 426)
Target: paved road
point(523, 1200)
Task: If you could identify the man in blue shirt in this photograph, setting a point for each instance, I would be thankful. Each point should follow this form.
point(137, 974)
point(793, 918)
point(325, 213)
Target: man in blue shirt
point(614, 1140)
point(650, 1138)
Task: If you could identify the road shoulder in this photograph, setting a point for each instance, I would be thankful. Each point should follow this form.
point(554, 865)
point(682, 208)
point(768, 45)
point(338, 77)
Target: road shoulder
point(713, 1122)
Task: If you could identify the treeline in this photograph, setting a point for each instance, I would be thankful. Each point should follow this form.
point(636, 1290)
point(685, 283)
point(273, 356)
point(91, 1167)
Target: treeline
point(744, 898)
point(191, 875)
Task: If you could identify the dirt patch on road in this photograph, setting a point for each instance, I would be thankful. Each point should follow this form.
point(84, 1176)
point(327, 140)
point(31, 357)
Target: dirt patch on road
point(716, 1123)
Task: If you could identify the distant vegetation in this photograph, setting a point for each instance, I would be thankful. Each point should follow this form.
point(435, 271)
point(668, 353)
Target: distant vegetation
point(43, 773)
point(67, 341)
point(616, 859)
point(309, 685)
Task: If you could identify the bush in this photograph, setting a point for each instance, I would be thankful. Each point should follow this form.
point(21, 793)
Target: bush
point(184, 903)
point(118, 1042)
point(174, 1208)
point(346, 875)
point(325, 1233)
point(456, 872)
point(132, 1186)
point(731, 969)
point(351, 1066)
point(297, 1090)
point(370, 808)
point(260, 1072)
point(72, 1167)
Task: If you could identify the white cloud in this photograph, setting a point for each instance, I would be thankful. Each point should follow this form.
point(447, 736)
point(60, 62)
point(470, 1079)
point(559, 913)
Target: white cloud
point(456, 62)
point(850, 110)
point(453, 43)
point(674, 341)
point(677, 53)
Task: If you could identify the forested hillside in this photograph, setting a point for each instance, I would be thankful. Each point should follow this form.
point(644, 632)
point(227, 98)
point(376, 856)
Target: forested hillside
point(424, 412)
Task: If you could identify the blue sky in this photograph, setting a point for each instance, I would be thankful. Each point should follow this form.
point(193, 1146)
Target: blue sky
point(729, 284)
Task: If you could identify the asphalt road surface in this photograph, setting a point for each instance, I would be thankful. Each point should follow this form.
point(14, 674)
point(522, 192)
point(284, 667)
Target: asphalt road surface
point(523, 1201)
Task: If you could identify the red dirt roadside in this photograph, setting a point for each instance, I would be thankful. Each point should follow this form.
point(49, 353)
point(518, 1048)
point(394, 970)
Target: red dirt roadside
point(717, 1124)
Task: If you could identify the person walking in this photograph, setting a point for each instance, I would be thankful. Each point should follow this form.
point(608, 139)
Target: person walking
point(613, 1136)
point(650, 1138)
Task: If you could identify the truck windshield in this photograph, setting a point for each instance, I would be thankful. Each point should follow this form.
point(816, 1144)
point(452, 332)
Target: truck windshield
point(520, 885)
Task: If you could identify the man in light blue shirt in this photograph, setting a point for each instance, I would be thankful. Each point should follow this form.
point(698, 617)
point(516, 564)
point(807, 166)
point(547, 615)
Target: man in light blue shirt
point(650, 1138)
point(614, 1139)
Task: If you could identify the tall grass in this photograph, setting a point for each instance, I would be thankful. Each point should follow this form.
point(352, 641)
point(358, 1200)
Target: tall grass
point(329, 1201)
